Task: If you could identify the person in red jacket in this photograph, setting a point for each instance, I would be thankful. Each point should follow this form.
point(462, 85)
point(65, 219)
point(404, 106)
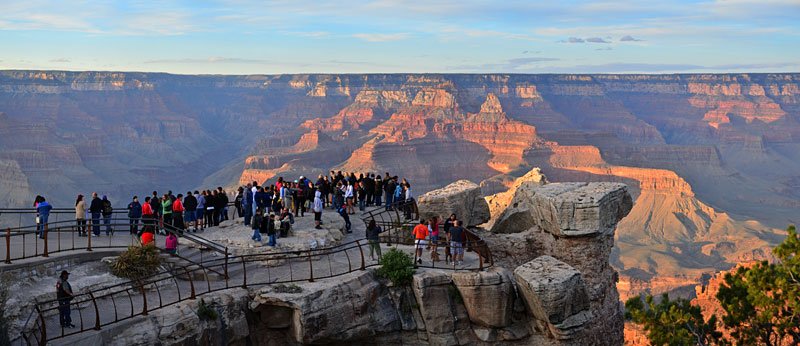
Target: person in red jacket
point(420, 233)
point(177, 212)
point(147, 217)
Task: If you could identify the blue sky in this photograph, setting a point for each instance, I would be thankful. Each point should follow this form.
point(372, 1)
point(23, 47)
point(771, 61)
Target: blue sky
point(272, 37)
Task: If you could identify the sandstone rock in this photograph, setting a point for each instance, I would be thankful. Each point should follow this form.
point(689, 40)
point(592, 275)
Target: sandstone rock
point(442, 314)
point(567, 209)
point(462, 198)
point(555, 294)
point(488, 296)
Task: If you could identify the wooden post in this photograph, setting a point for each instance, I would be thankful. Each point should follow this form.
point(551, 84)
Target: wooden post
point(45, 241)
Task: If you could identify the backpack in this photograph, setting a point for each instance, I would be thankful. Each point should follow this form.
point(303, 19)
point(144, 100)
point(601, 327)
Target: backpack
point(107, 207)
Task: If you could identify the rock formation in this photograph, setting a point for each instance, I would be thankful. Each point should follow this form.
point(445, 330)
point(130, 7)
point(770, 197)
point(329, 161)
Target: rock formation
point(462, 198)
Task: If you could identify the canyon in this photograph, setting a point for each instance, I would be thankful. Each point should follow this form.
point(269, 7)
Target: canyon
point(711, 160)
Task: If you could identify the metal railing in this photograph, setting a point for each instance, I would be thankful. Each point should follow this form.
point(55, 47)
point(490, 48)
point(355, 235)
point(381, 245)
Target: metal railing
point(139, 297)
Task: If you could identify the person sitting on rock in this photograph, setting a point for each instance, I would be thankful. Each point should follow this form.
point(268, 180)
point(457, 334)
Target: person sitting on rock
point(342, 210)
point(286, 219)
point(171, 244)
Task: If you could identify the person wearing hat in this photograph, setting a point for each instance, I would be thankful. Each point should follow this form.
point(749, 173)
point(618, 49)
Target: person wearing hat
point(65, 295)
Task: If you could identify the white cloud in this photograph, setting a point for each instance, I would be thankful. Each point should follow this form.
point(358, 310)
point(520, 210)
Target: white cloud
point(60, 59)
point(381, 37)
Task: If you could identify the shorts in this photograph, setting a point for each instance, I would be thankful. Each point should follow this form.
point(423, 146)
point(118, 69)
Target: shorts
point(317, 216)
point(190, 216)
point(420, 243)
point(435, 240)
point(456, 247)
point(200, 214)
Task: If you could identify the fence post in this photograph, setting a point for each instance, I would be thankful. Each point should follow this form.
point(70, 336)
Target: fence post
point(45, 241)
point(311, 267)
point(8, 246)
point(44, 327)
point(226, 267)
point(191, 282)
point(244, 271)
point(96, 312)
point(89, 232)
point(480, 257)
point(144, 298)
point(363, 265)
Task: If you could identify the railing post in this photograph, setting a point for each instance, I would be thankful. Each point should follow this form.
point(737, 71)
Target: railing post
point(191, 282)
point(44, 327)
point(45, 241)
point(96, 312)
point(226, 267)
point(244, 271)
point(480, 258)
point(311, 267)
point(89, 232)
point(144, 298)
point(363, 264)
point(8, 246)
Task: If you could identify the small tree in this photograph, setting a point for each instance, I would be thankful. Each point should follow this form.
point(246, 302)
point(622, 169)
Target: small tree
point(397, 266)
point(762, 303)
point(137, 261)
point(673, 322)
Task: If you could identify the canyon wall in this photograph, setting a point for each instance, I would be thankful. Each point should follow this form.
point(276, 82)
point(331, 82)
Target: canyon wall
point(711, 159)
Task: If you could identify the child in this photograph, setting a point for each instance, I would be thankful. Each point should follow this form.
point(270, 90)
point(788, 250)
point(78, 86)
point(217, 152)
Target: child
point(257, 219)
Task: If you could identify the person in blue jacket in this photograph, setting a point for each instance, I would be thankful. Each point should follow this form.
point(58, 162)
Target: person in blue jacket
point(43, 209)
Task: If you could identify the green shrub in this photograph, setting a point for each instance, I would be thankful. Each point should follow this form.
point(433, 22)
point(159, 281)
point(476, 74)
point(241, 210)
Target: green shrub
point(397, 266)
point(136, 262)
point(207, 311)
point(291, 288)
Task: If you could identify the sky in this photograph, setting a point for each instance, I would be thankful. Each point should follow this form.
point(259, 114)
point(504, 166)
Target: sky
point(401, 36)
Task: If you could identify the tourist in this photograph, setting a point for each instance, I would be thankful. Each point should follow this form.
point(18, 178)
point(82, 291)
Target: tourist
point(43, 210)
point(134, 214)
point(171, 244)
point(210, 203)
point(317, 209)
point(300, 201)
point(177, 213)
point(362, 196)
point(166, 210)
point(373, 239)
point(420, 233)
point(148, 217)
point(368, 184)
point(190, 213)
point(397, 196)
point(378, 190)
point(434, 227)
point(35, 206)
point(258, 219)
point(276, 200)
point(456, 242)
point(253, 190)
point(448, 224)
point(268, 228)
point(108, 211)
point(389, 186)
point(247, 202)
point(261, 200)
point(96, 208)
point(147, 238)
point(288, 196)
point(80, 216)
point(409, 197)
point(64, 295)
point(201, 208)
point(221, 207)
point(338, 196)
point(155, 204)
point(226, 200)
point(237, 203)
point(348, 196)
point(342, 210)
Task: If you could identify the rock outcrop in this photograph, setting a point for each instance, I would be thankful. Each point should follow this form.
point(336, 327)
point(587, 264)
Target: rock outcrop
point(555, 294)
point(488, 296)
point(462, 198)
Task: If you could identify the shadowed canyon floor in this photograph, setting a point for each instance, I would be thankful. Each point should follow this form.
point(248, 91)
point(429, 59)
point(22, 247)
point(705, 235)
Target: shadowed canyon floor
point(712, 160)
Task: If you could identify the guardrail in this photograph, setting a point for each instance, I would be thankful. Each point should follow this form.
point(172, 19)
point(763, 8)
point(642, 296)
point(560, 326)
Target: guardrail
point(139, 297)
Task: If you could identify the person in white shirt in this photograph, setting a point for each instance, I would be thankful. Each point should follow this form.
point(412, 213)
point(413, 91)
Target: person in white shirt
point(348, 196)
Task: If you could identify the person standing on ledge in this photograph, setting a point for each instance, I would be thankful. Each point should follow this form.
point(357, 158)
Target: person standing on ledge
point(456, 245)
point(64, 295)
point(107, 213)
point(373, 239)
point(96, 209)
point(190, 214)
point(43, 209)
point(134, 213)
point(317, 209)
point(201, 209)
point(420, 233)
point(80, 216)
point(166, 209)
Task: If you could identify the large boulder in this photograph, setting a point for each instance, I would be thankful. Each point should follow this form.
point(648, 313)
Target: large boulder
point(488, 296)
point(556, 296)
point(462, 198)
point(445, 319)
point(566, 209)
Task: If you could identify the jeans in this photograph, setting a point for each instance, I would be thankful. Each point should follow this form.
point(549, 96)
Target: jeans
point(377, 199)
point(225, 214)
point(362, 204)
point(96, 223)
point(81, 223)
point(134, 226)
point(248, 214)
point(272, 240)
point(64, 313)
point(389, 201)
point(256, 235)
point(346, 220)
point(42, 222)
point(107, 222)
